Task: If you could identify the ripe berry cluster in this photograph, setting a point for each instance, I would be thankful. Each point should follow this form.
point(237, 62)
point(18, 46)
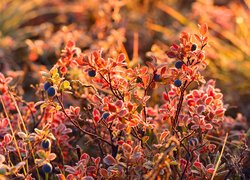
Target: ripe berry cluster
point(50, 89)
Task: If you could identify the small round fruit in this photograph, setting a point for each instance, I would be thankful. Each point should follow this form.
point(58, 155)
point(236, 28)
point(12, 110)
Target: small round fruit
point(193, 141)
point(177, 83)
point(45, 143)
point(178, 64)
point(47, 85)
point(157, 77)
point(51, 91)
point(193, 47)
point(47, 168)
point(92, 73)
point(105, 115)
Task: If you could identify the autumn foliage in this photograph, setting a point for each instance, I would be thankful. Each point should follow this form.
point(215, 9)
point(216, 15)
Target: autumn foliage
point(98, 118)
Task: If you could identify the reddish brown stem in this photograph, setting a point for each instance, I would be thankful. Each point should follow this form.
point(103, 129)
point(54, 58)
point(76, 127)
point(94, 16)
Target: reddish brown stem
point(78, 126)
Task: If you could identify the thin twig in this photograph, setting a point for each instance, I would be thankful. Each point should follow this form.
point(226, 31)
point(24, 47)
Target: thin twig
point(78, 126)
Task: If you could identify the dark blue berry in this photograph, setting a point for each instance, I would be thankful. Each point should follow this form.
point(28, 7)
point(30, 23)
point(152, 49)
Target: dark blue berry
point(177, 83)
point(51, 91)
point(45, 143)
point(105, 115)
point(92, 73)
point(193, 141)
point(157, 77)
point(178, 64)
point(46, 85)
point(193, 47)
point(47, 168)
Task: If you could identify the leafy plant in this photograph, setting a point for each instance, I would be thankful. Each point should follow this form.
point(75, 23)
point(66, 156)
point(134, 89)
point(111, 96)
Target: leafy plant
point(96, 119)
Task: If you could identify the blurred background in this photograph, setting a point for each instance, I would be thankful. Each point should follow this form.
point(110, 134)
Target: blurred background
point(32, 33)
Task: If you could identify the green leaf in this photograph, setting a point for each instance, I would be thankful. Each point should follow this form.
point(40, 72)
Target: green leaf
point(41, 154)
point(175, 163)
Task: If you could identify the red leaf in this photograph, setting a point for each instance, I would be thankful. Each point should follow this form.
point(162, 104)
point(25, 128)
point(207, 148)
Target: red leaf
point(126, 147)
point(191, 102)
point(77, 110)
point(200, 109)
point(85, 157)
point(197, 37)
point(205, 39)
point(70, 44)
point(165, 96)
point(88, 178)
point(121, 57)
point(210, 170)
point(211, 147)
point(91, 168)
point(119, 103)
point(196, 94)
point(96, 160)
point(112, 108)
point(3, 123)
point(123, 112)
point(163, 70)
point(109, 160)
point(96, 114)
point(130, 106)
point(175, 47)
point(198, 165)
point(150, 65)
point(103, 172)
point(163, 135)
point(143, 70)
point(219, 112)
point(208, 100)
point(7, 138)
point(183, 161)
point(209, 126)
point(63, 70)
point(145, 80)
point(171, 54)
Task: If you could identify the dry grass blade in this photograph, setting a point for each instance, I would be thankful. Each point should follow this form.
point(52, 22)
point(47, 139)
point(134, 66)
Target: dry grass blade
point(172, 12)
point(218, 162)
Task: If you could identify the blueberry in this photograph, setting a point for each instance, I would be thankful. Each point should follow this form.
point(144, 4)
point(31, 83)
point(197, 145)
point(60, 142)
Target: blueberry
point(45, 143)
point(92, 73)
point(47, 168)
point(105, 115)
point(157, 77)
point(193, 47)
point(51, 91)
point(193, 141)
point(46, 85)
point(177, 83)
point(178, 64)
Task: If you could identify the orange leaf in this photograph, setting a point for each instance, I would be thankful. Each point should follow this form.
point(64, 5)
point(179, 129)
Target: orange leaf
point(203, 29)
